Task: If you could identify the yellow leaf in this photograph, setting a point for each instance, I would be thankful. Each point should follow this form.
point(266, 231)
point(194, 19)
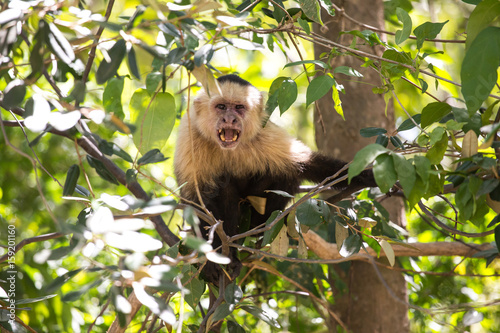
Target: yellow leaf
point(341, 234)
point(367, 222)
point(469, 144)
point(280, 244)
point(389, 252)
point(258, 203)
point(207, 79)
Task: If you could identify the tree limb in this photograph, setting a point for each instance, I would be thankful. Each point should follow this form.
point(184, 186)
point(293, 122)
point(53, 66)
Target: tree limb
point(326, 250)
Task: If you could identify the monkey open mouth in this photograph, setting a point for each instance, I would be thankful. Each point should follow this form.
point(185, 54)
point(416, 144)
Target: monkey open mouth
point(228, 137)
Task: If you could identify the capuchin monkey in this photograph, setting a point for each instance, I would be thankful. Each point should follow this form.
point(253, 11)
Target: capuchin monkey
point(230, 151)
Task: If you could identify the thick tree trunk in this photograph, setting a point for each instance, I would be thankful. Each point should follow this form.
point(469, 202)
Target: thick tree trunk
point(368, 305)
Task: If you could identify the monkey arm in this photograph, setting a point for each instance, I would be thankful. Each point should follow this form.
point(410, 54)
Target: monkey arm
point(321, 166)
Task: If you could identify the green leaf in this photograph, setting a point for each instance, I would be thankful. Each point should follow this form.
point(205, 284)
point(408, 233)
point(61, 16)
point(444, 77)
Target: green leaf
point(281, 193)
point(101, 170)
point(384, 172)
point(111, 148)
point(310, 213)
point(154, 119)
point(107, 70)
point(495, 220)
point(337, 102)
point(486, 12)
point(302, 62)
point(262, 315)
point(312, 10)
point(350, 246)
point(71, 179)
point(318, 87)
point(406, 173)
point(403, 17)
point(152, 81)
point(233, 293)
point(274, 90)
point(287, 94)
point(77, 294)
point(233, 327)
point(364, 157)
point(305, 25)
point(222, 312)
point(434, 112)
point(203, 55)
point(60, 280)
point(368, 132)
point(196, 286)
point(436, 153)
point(112, 97)
point(427, 30)
point(14, 93)
point(35, 299)
point(132, 63)
point(152, 156)
point(479, 68)
point(347, 71)
point(271, 234)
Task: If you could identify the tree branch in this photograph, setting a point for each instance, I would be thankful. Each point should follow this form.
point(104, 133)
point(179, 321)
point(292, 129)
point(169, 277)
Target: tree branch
point(329, 251)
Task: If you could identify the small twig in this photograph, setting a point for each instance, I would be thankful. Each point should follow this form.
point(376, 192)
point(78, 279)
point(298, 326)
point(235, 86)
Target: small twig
point(35, 239)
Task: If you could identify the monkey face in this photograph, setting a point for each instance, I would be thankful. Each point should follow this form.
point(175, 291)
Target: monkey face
point(232, 118)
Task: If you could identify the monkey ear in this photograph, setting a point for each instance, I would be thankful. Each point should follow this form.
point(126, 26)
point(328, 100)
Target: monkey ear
point(207, 79)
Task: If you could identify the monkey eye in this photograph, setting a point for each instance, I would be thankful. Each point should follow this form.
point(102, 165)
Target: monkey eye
point(221, 106)
point(239, 107)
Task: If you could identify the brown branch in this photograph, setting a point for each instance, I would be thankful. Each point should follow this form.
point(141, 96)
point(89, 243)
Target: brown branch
point(329, 251)
point(30, 240)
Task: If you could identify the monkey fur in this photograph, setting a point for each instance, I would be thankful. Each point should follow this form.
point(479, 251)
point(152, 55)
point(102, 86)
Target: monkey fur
point(226, 147)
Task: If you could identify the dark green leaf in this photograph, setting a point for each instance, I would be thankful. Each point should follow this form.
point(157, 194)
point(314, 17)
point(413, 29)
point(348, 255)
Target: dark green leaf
point(479, 68)
point(310, 213)
point(152, 156)
point(222, 312)
point(396, 142)
point(35, 299)
point(203, 55)
point(287, 94)
point(196, 286)
point(274, 90)
point(132, 63)
point(60, 280)
point(71, 180)
point(302, 62)
point(434, 112)
point(409, 123)
point(318, 87)
point(312, 10)
point(79, 91)
point(364, 157)
point(101, 170)
point(368, 132)
point(271, 234)
point(131, 176)
point(233, 327)
point(281, 193)
point(107, 70)
point(424, 85)
point(350, 246)
point(305, 25)
point(495, 220)
point(233, 293)
point(262, 315)
point(14, 93)
point(82, 190)
point(347, 71)
point(427, 30)
point(382, 140)
point(436, 153)
point(152, 81)
point(384, 172)
point(406, 173)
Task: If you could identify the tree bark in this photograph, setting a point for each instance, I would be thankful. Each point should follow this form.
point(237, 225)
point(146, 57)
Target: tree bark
point(368, 305)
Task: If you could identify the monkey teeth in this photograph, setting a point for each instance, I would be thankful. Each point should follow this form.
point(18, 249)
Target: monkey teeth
point(223, 132)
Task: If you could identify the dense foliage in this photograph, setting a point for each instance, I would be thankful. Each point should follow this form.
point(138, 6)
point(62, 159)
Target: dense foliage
point(91, 94)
